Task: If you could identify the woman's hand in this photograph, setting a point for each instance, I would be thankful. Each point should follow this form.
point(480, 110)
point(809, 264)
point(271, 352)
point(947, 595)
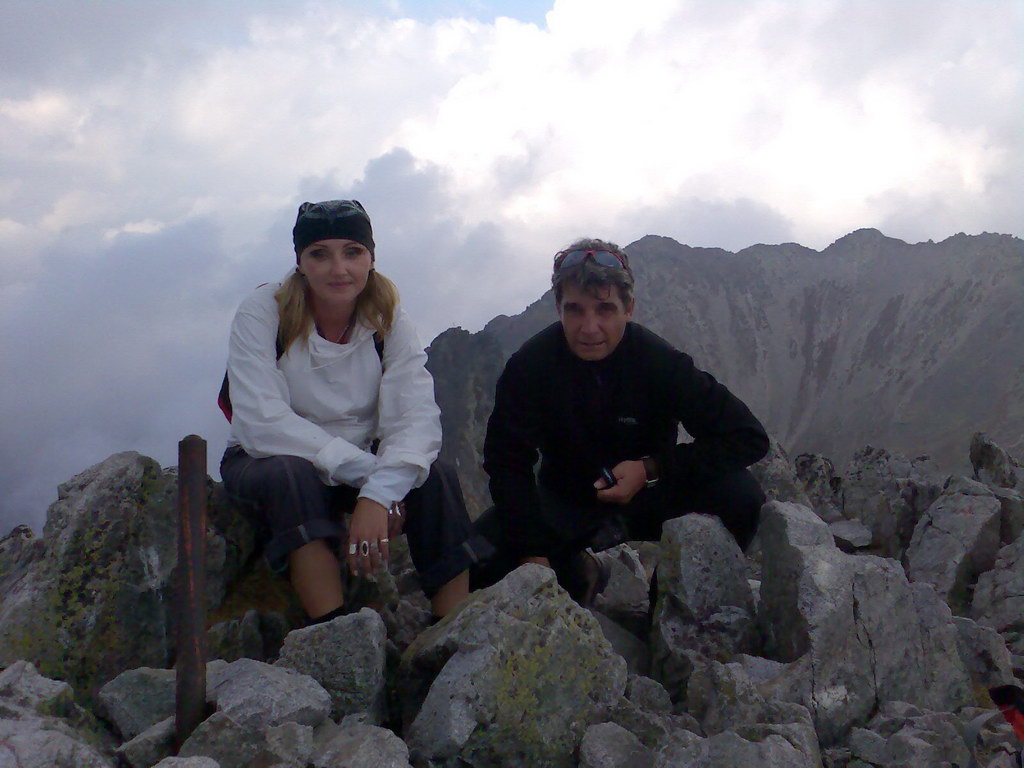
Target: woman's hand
point(369, 527)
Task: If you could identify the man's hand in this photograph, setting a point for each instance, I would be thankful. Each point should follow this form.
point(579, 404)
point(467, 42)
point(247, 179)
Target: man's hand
point(369, 524)
point(631, 477)
point(396, 519)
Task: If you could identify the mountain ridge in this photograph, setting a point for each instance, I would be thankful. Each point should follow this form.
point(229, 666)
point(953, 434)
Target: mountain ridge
point(870, 340)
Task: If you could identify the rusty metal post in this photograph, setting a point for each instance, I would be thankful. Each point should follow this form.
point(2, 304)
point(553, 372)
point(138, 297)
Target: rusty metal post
point(190, 663)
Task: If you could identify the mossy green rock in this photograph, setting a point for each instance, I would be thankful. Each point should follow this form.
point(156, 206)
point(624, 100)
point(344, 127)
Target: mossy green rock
point(515, 678)
point(94, 597)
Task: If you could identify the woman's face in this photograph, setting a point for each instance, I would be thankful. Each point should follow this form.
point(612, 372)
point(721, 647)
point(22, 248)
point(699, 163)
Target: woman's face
point(336, 271)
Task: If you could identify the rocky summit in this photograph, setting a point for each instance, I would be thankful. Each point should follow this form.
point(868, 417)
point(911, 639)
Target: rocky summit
point(864, 627)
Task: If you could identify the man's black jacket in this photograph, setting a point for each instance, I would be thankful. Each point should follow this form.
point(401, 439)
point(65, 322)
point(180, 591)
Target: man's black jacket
point(581, 416)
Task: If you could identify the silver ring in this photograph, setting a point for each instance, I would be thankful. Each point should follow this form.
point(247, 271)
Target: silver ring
point(364, 548)
point(352, 548)
point(384, 541)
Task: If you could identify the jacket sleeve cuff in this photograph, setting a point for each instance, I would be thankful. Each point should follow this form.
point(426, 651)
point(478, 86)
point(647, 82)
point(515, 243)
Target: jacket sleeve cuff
point(344, 463)
point(388, 484)
point(375, 495)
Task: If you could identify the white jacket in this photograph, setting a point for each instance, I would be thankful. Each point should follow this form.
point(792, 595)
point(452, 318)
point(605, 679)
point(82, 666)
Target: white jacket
point(326, 402)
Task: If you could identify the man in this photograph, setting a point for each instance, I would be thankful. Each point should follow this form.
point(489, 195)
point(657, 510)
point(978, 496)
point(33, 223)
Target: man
point(599, 399)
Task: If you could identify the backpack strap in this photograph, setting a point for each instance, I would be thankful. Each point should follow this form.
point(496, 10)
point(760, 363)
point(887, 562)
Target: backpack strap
point(378, 344)
point(224, 396)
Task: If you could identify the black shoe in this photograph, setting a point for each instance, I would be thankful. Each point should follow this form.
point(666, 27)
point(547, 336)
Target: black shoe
point(588, 579)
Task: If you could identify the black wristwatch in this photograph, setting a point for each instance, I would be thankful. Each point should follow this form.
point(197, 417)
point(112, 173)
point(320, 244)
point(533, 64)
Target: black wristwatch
point(651, 470)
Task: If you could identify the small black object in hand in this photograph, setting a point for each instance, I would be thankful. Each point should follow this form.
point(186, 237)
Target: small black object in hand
point(609, 477)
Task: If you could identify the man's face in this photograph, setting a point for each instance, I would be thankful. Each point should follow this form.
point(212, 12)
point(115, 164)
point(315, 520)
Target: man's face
point(593, 325)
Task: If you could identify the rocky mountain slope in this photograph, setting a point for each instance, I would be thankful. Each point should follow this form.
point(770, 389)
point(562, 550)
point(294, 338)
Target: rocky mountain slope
point(869, 341)
point(870, 625)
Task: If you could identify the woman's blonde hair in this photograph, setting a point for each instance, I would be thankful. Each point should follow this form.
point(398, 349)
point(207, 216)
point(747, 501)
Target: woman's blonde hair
point(375, 307)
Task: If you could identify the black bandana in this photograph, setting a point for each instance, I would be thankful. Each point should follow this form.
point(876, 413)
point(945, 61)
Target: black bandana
point(332, 219)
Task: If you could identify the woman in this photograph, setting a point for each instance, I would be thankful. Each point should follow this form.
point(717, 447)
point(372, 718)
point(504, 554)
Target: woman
point(320, 366)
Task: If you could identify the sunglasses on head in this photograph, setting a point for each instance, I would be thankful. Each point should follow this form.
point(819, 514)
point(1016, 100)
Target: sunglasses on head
point(331, 209)
point(576, 256)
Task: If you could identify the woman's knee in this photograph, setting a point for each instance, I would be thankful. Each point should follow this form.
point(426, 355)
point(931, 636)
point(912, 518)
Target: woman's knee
point(246, 476)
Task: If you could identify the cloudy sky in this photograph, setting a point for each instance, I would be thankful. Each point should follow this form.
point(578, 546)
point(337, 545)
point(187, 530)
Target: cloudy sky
point(153, 154)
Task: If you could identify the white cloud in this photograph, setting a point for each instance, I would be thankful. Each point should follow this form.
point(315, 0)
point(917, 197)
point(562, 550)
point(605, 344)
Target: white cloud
point(153, 156)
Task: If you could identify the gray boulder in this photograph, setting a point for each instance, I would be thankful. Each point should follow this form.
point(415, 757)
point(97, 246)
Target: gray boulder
point(753, 746)
point(955, 541)
point(626, 598)
point(888, 493)
point(495, 692)
point(1011, 505)
point(150, 746)
point(705, 607)
point(906, 736)
point(22, 685)
point(1012, 515)
point(777, 477)
point(94, 597)
point(759, 669)
point(346, 656)
point(655, 729)
point(823, 485)
point(288, 744)
point(607, 745)
point(188, 762)
point(245, 638)
point(983, 653)
point(404, 621)
point(625, 643)
point(224, 739)
point(359, 745)
point(259, 696)
point(138, 699)
point(19, 551)
point(33, 704)
point(723, 697)
point(994, 466)
point(850, 535)
point(852, 629)
point(234, 745)
point(648, 694)
point(235, 639)
point(998, 600)
point(28, 740)
point(646, 712)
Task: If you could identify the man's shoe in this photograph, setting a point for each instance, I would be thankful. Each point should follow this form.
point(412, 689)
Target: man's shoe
point(592, 575)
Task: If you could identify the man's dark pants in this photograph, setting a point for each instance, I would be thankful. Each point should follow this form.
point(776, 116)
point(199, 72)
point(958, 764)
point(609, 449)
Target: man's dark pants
point(735, 498)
